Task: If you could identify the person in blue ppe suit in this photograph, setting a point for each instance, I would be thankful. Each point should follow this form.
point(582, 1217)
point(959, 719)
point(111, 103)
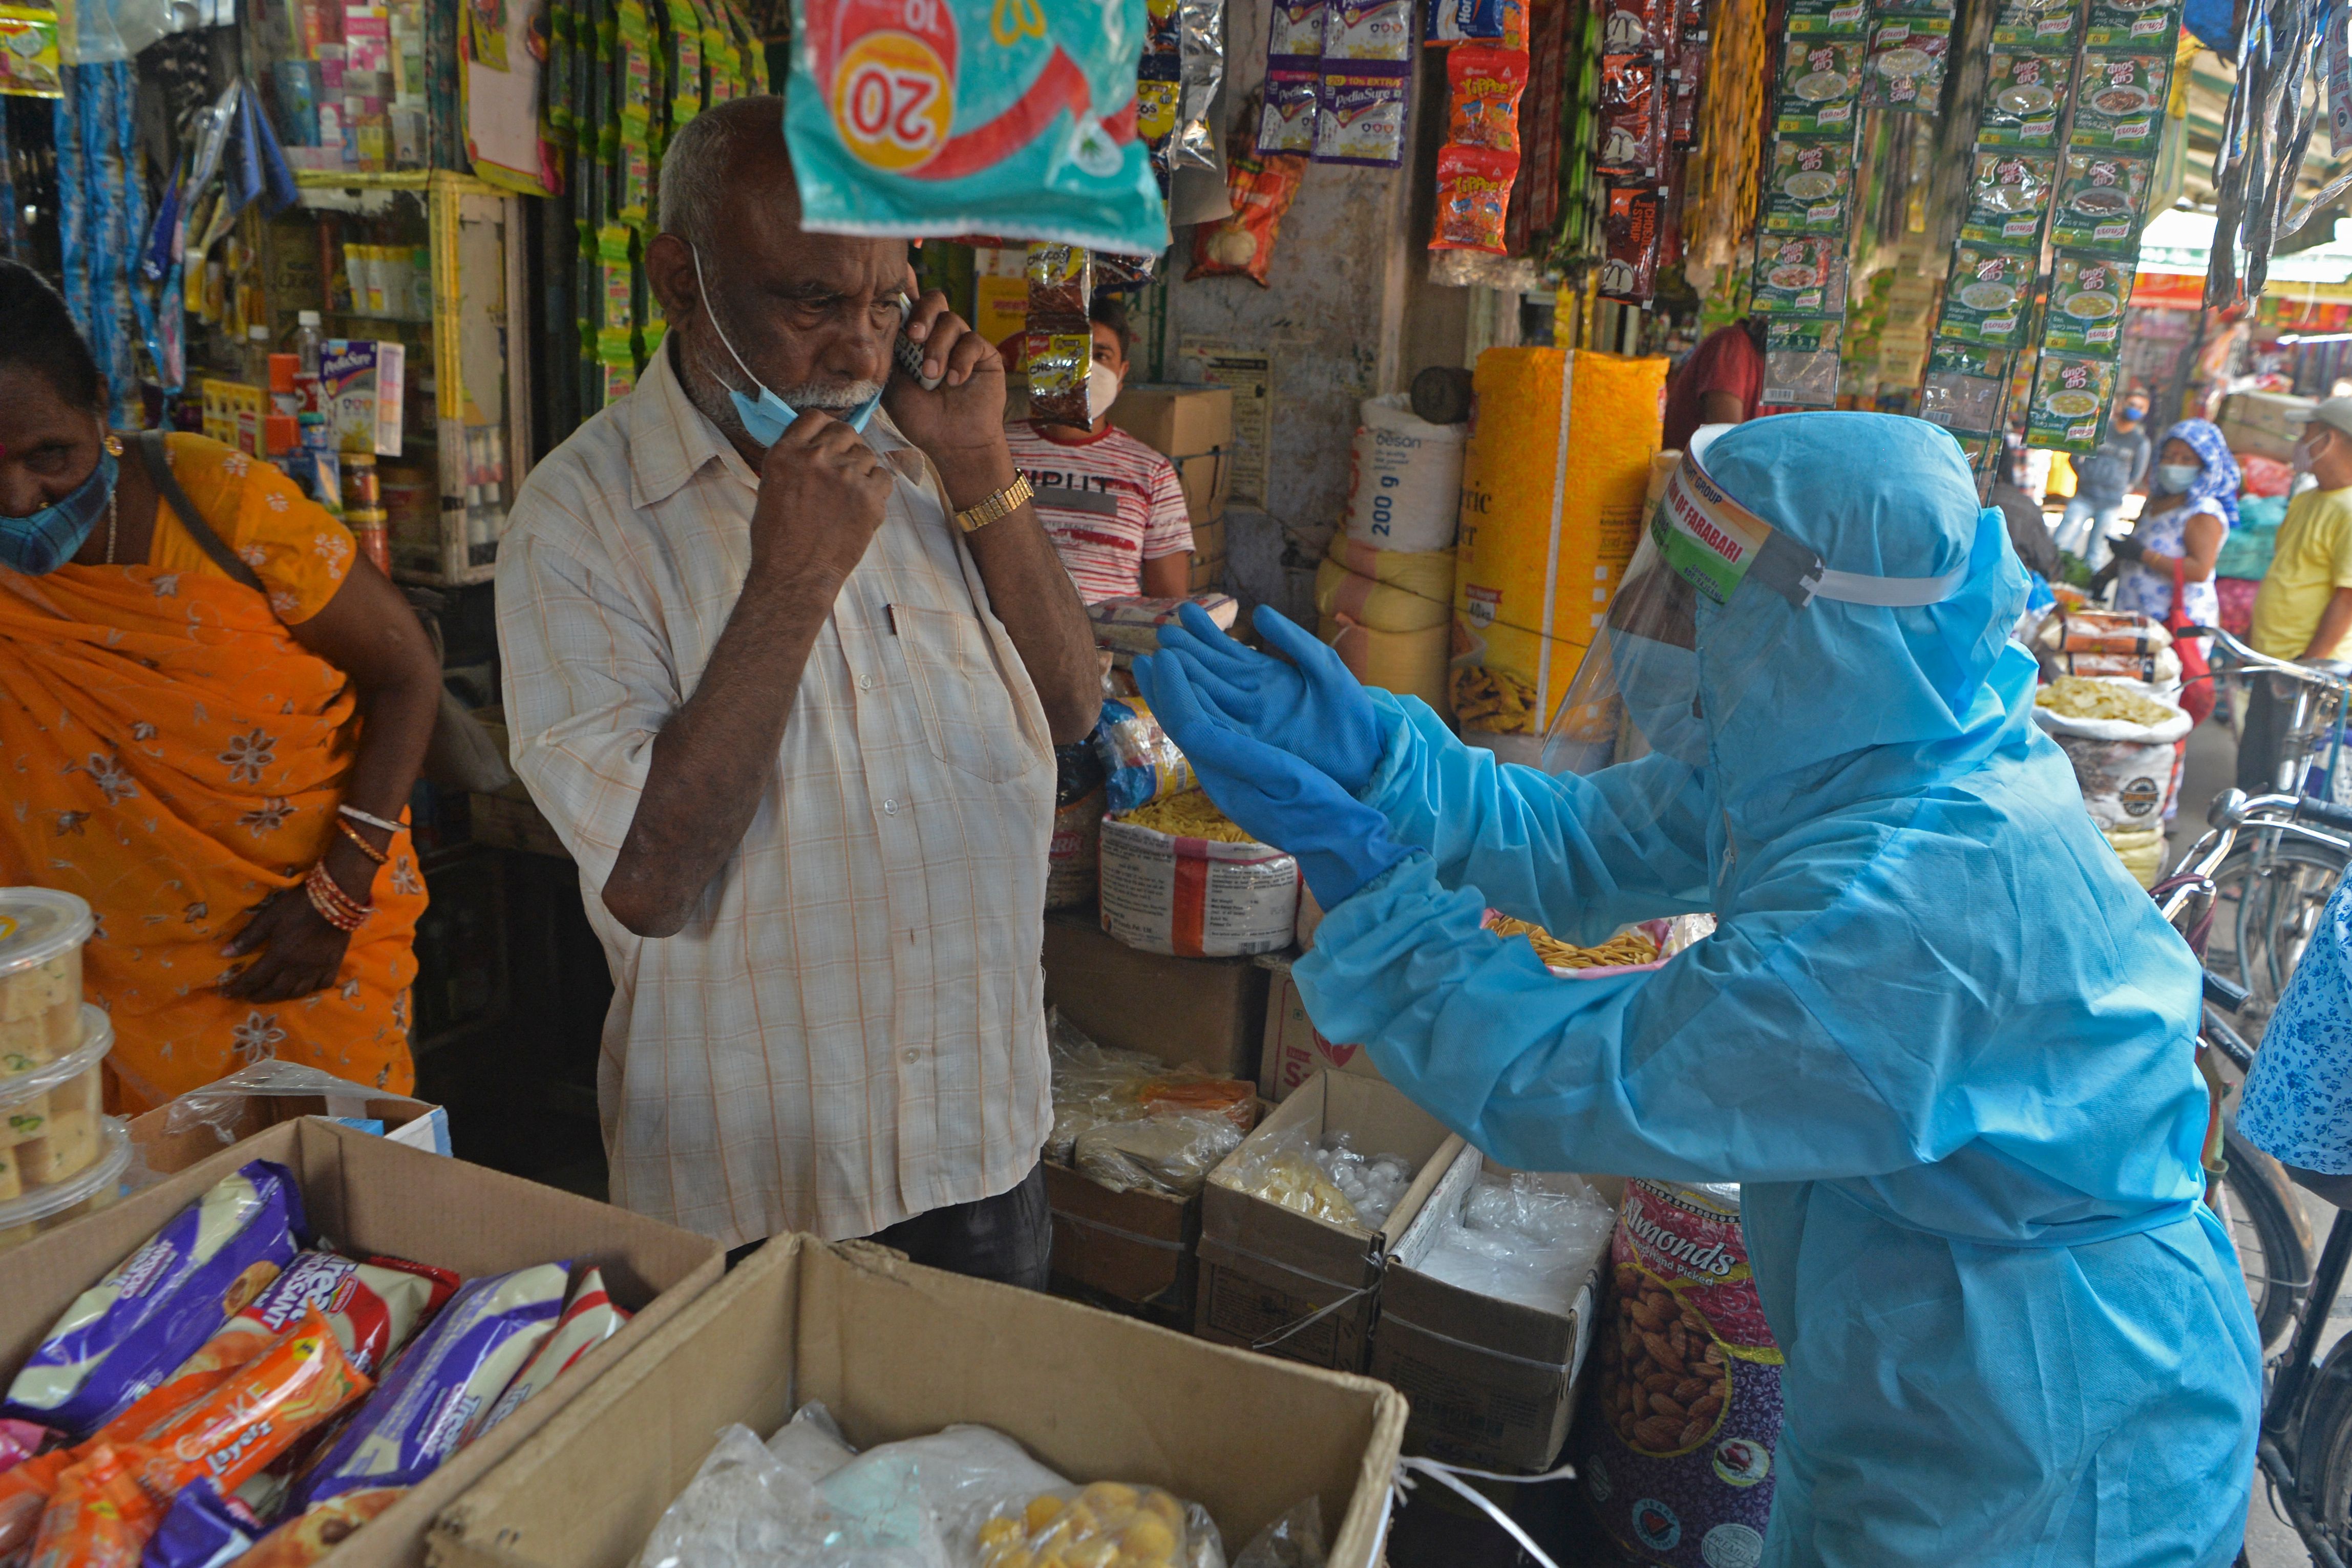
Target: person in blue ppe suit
point(1938, 1033)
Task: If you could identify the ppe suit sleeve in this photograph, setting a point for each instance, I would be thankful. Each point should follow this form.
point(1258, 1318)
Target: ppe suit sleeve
point(1709, 1068)
point(1580, 857)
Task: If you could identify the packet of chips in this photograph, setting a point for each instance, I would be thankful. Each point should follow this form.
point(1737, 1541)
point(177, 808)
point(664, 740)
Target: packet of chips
point(1628, 262)
point(1141, 763)
point(126, 1334)
point(1261, 186)
point(100, 1516)
point(25, 1492)
point(1487, 83)
point(1474, 197)
point(437, 1394)
point(1632, 130)
point(965, 116)
point(256, 1414)
point(589, 1321)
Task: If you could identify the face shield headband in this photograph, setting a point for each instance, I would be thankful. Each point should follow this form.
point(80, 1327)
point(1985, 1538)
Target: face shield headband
point(1714, 543)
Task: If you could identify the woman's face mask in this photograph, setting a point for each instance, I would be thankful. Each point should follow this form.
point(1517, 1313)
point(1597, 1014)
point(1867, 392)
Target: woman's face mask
point(39, 544)
point(2174, 478)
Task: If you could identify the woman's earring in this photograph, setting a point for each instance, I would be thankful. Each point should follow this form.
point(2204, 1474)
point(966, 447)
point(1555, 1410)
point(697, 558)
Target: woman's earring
point(113, 445)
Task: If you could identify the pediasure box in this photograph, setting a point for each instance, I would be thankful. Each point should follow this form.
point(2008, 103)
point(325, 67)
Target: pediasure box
point(898, 1350)
point(361, 384)
point(1492, 1382)
point(1274, 1279)
point(370, 1194)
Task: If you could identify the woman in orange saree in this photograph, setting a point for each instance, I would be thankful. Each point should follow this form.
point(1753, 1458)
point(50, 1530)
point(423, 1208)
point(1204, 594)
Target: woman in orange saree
point(208, 731)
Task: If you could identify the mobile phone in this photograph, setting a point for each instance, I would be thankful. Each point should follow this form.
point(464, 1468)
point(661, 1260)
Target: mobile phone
point(909, 353)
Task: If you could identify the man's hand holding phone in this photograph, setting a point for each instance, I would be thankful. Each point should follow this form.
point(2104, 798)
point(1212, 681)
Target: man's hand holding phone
point(959, 422)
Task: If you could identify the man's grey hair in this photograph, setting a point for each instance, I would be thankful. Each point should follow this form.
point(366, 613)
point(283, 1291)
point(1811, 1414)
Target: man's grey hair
point(694, 171)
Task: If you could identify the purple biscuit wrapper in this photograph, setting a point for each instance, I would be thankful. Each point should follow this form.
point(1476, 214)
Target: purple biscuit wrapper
point(123, 1336)
point(435, 1396)
point(202, 1530)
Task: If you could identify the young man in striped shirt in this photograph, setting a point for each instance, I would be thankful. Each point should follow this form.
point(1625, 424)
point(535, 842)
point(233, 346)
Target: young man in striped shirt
point(1111, 505)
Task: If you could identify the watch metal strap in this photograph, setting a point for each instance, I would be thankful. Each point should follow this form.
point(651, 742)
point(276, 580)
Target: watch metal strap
point(974, 518)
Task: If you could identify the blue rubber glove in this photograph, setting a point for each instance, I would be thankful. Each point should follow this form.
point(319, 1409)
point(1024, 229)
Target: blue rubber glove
point(1310, 707)
point(1339, 842)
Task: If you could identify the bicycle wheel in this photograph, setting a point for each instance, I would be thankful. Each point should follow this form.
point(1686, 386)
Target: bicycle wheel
point(2257, 1202)
point(2267, 902)
point(2321, 1448)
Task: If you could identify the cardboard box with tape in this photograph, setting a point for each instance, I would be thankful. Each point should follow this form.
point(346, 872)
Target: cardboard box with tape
point(370, 1195)
point(1208, 1013)
point(895, 1352)
point(1192, 428)
point(1282, 1281)
point(1295, 1050)
point(1492, 1382)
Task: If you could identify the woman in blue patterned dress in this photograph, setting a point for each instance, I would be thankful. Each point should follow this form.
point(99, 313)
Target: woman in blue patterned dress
point(2297, 1105)
point(2191, 507)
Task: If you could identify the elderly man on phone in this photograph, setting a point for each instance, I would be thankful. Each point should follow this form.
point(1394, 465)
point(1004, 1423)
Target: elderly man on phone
point(787, 654)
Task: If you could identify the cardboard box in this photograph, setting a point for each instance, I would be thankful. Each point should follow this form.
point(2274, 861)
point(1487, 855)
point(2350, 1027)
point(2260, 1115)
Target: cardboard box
point(1295, 1050)
point(373, 1196)
point(1209, 541)
point(2267, 424)
point(170, 1138)
point(1267, 1272)
point(1207, 573)
point(1133, 1248)
point(895, 1350)
point(1207, 1013)
point(1176, 420)
point(1493, 1383)
point(1208, 481)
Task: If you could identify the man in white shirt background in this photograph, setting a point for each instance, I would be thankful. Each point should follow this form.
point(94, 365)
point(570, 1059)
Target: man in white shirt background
point(785, 669)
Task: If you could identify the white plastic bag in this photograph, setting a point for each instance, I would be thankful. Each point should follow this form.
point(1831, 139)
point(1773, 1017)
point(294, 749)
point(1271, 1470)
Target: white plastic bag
point(747, 1509)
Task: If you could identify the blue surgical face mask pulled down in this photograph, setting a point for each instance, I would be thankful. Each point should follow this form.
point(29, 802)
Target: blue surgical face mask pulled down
point(39, 544)
point(767, 417)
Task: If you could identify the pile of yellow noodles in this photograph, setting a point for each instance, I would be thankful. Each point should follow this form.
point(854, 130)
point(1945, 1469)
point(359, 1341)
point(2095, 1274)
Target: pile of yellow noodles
point(1625, 947)
point(2083, 696)
point(1190, 814)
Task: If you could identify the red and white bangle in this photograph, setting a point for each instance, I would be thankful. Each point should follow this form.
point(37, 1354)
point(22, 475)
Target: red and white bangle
point(337, 908)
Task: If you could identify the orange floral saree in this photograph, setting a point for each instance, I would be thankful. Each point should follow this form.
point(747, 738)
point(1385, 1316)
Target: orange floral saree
point(170, 753)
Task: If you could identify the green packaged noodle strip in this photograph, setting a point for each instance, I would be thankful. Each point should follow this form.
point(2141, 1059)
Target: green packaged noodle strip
point(1799, 275)
point(2008, 198)
point(1810, 189)
point(1963, 388)
point(2148, 26)
point(1909, 56)
point(685, 64)
point(2070, 401)
point(2046, 24)
point(1987, 297)
point(2100, 197)
point(1800, 362)
point(2088, 295)
point(1820, 86)
point(2025, 99)
point(2119, 101)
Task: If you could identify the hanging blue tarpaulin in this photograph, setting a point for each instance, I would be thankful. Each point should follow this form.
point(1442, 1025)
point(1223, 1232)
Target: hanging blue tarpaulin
point(2214, 25)
point(102, 216)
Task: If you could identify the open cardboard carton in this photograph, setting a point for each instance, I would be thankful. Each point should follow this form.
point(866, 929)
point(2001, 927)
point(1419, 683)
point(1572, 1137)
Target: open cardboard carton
point(367, 1195)
point(1492, 1382)
point(1275, 1280)
point(171, 1141)
point(896, 1351)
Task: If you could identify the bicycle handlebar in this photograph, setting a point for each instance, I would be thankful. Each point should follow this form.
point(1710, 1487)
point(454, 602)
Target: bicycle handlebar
point(2240, 653)
point(2327, 813)
point(2226, 994)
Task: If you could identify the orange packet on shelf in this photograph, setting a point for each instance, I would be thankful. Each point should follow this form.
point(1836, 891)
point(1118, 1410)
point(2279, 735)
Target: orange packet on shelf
point(257, 1412)
point(25, 1492)
point(99, 1518)
point(1487, 83)
point(1227, 1097)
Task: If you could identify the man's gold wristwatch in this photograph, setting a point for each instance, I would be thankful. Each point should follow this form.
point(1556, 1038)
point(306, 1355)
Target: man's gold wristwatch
point(1003, 503)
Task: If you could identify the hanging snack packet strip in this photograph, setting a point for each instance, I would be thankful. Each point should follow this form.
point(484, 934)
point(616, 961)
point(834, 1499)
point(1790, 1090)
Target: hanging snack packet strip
point(589, 1321)
point(1487, 83)
point(1060, 347)
point(126, 1334)
point(436, 1396)
point(963, 116)
point(1474, 194)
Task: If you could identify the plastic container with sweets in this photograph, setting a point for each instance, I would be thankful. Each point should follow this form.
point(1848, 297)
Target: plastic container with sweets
point(50, 1114)
point(41, 933)
point(98, 1184)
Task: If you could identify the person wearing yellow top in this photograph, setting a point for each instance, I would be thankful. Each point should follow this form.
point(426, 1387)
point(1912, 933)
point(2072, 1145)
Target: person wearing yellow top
point(2304, 611)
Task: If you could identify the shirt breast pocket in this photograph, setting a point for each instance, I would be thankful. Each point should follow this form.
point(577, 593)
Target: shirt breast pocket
point(970, 718)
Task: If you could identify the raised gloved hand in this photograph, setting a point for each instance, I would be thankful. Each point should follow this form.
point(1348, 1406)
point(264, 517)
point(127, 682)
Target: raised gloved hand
point(1339, 842)
point(2126, 549)
point(1310, 707)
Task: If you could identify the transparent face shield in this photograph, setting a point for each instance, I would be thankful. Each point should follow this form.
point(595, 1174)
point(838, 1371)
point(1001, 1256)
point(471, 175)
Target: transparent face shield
point(1703, 558)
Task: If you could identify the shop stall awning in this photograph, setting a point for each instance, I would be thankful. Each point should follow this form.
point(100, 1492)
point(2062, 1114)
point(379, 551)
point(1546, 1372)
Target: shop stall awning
point(2181, 241)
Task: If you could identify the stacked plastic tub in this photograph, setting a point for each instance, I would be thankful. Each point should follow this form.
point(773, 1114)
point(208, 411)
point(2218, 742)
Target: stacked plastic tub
point(1385, 593)
point(60, 1155)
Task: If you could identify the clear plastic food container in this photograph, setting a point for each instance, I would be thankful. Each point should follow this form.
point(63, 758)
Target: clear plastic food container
point(41, 933)
point(46, 1209)
point(50, 1115)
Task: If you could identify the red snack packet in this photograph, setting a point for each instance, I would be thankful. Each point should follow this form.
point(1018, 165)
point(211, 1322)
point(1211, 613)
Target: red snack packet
point(1261, 187)
point(25, 1492)
point(1682, 112)
point(1474, 194)
point(1628, 266)
point(1630, 25)
point(1487, 83)
point(1633, 124)
point(99, 1518)
point(19, 1441)
point(256, 1414)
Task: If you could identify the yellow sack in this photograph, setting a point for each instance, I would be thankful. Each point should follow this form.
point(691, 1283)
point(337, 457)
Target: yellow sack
point(2142, 850)
point(1411, 664)
point(1553, 484)
point(1387, 590)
